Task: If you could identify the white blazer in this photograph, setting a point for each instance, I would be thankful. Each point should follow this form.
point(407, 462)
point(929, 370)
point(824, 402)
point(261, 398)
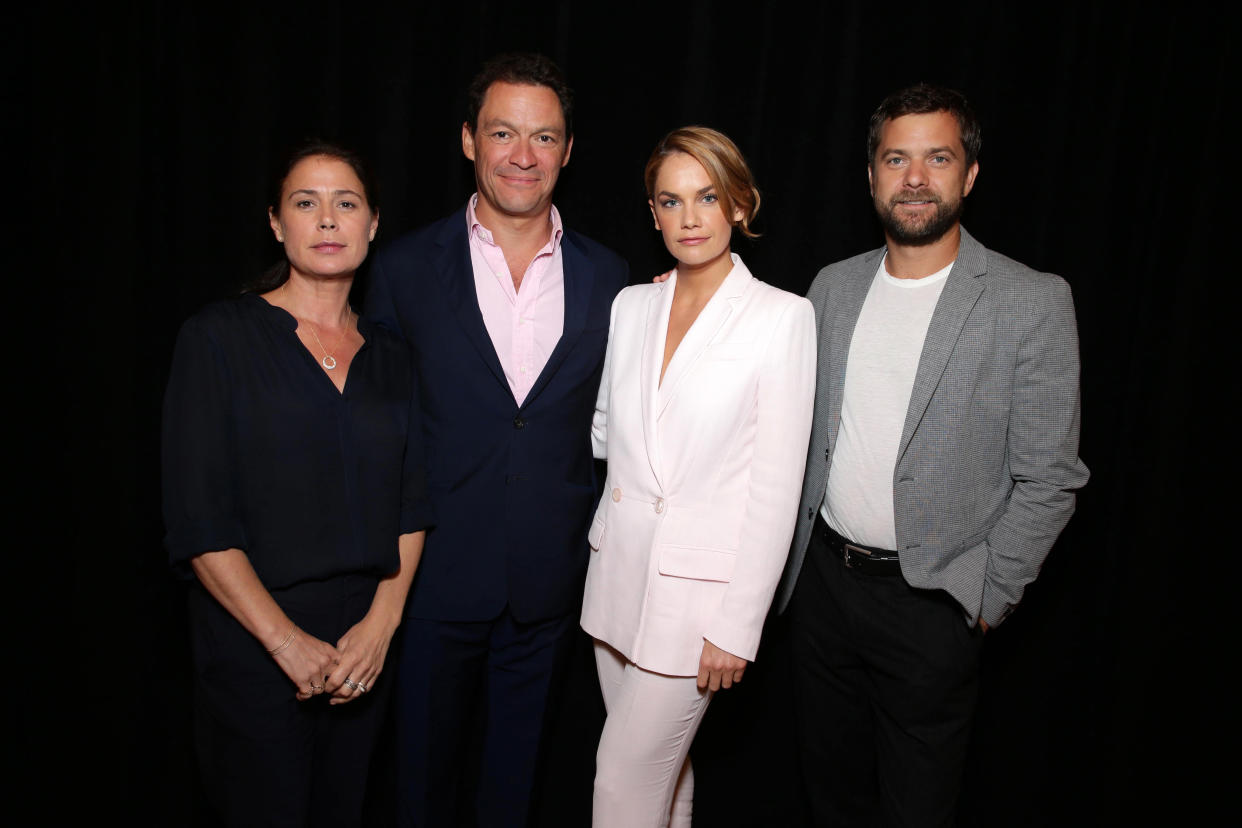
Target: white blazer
point(704, 470)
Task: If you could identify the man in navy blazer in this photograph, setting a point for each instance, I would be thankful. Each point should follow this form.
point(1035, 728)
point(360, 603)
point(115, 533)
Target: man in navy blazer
point(506, 312)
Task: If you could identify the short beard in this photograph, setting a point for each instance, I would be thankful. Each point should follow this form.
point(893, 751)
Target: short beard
point(924, 233)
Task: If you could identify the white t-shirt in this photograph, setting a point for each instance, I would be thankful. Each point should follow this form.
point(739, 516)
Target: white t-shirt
point(879, 378)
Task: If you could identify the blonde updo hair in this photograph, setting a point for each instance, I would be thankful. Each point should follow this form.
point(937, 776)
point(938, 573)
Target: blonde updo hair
point(724, 164)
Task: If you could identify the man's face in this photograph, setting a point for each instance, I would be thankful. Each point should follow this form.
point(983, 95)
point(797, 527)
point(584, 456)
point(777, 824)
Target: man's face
point(919, 177)
point(518, 150)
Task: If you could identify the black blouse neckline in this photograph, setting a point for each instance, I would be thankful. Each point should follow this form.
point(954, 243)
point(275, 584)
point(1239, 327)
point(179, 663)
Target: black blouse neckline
point(282, 318)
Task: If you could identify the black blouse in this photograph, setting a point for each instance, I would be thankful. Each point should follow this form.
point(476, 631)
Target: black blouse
point(262, 453)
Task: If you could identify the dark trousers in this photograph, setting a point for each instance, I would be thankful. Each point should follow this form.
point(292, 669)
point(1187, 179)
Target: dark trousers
point(265, 757)
point(885, 680)
point(458, 679)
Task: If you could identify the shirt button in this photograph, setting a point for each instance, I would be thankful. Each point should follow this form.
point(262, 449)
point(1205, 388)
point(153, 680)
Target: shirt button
point(659, 506)
point(519, 423)
point(616, 495)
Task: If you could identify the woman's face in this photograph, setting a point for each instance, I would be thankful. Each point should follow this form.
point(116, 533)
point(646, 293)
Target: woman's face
point(323, 218)
point(688, 214)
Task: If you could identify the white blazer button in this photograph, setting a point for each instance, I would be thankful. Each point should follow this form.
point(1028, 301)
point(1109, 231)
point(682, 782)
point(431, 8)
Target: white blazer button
point(659, 505)
point(616, 495)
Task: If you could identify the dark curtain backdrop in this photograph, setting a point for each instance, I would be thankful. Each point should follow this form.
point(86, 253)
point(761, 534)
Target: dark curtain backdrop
point(155, 125)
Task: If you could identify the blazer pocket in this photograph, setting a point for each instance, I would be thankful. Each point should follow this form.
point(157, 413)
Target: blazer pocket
point(697, 562)
point(595, 535)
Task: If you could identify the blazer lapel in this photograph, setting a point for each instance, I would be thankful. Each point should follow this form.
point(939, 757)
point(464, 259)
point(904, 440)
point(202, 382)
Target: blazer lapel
point(655, 333)
point(961, 291)
point(579, 281)
point(845, 306)
point(703, 330)
point(456, 274)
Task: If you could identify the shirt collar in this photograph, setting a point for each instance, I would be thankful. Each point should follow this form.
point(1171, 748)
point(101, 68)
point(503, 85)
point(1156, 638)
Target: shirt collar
point(477, 230)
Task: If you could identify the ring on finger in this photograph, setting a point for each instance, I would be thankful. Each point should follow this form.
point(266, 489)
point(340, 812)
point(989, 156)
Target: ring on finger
point(362, 688)
point(351, 684)
point(316, 688)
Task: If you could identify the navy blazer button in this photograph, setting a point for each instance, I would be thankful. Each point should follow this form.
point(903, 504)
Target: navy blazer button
point(519, 423)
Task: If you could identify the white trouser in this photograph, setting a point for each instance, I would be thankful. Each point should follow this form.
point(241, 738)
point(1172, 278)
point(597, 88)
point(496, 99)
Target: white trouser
point(643, 752)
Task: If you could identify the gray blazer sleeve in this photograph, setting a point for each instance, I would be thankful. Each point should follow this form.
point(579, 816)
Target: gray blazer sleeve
point(1042, 448)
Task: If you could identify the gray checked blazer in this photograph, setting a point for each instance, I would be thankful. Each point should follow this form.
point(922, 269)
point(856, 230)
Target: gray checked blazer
point(988, 463)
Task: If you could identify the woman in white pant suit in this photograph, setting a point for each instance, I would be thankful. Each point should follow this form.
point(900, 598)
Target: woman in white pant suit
point(704, 414)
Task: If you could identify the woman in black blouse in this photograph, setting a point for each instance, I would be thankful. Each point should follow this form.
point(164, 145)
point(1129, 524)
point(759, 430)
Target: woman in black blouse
point(293, 491)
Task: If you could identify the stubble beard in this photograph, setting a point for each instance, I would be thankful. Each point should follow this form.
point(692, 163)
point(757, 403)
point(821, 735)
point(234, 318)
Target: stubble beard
point(918, 232)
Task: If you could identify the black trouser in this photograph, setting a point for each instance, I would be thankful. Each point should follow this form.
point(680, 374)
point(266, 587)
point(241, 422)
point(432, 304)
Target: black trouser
point(266, 758)
point(885, 680)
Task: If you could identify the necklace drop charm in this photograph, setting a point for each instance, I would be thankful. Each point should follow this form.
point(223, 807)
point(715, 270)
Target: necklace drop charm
point(328, 362)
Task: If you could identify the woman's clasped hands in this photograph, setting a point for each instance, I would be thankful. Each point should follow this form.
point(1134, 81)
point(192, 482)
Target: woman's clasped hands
point(345, 671)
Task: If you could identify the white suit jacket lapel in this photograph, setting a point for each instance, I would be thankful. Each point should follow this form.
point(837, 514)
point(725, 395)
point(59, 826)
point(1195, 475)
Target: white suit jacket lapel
point(658, 309)
point(702, 333)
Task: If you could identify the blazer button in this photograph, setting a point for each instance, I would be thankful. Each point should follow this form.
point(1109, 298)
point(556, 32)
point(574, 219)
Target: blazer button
point(659, 506)
point(810, 513)
point(519, 423)
point(616, 495)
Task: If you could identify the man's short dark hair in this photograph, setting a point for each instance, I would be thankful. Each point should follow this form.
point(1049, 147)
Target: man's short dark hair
point(525, 68)
point(921, 99)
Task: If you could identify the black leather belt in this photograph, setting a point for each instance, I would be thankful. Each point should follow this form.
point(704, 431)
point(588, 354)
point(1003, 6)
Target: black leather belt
point(865, 559)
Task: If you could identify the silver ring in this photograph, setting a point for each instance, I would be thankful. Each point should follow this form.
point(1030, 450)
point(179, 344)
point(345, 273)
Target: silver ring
point(352, 685)
point(316, 688)
point(362, 687)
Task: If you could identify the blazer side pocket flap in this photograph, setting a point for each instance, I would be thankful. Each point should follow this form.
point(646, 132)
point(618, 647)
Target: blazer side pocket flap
point(595, 534)
point(697, 562)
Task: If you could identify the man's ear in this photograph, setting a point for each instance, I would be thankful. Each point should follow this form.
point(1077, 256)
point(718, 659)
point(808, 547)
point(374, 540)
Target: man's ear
point(970, 179)
point(467, 141)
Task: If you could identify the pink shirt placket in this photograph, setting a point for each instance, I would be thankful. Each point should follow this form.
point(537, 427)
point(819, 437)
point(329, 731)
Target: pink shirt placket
point(524, 325)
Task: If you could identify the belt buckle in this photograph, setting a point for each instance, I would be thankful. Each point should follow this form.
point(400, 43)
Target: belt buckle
point(855, 563)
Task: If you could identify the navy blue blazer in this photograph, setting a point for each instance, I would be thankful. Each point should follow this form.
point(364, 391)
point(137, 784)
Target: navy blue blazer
point(513, 487)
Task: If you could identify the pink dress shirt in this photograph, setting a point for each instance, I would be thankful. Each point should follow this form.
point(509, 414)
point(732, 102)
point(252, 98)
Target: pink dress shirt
point(524, 325)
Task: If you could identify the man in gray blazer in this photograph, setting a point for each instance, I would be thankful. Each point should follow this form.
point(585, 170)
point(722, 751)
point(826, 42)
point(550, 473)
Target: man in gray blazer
point(942, 466)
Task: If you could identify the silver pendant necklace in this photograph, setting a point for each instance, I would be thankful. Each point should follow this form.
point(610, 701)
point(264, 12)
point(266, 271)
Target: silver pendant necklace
point(328, 361)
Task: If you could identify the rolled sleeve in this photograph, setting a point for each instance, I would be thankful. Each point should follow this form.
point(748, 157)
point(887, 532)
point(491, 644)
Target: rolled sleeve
point(197, 456)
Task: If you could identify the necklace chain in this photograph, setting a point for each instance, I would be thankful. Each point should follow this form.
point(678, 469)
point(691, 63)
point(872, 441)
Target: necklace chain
point(328, 361)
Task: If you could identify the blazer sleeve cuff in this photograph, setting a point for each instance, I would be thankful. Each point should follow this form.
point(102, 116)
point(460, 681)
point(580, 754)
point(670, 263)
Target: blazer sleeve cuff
point(739, 640)
point(995, 607)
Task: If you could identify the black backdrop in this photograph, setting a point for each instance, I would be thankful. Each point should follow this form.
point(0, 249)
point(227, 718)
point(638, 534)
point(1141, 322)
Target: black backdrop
point(154, 126)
